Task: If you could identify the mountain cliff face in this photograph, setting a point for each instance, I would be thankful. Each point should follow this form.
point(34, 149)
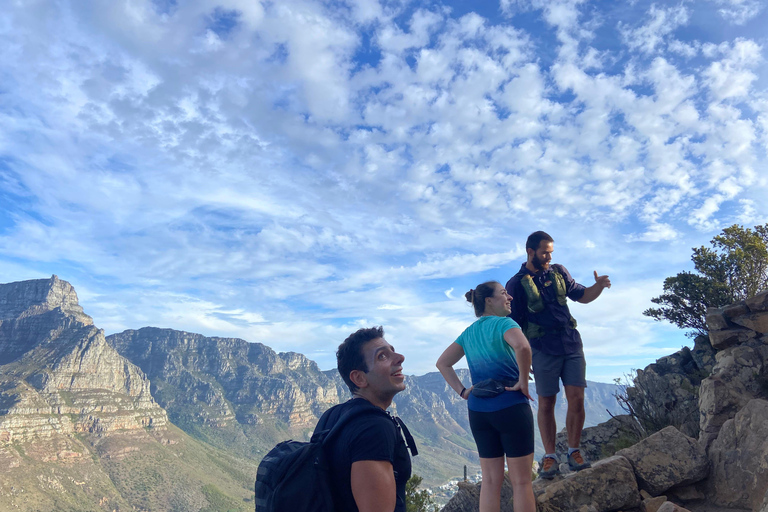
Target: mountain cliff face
point(57, 372)
point(79, 428)
point(219, 381)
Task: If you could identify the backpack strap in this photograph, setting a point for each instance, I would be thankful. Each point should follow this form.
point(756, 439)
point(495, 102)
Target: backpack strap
point(324, 434)
point(409, 441)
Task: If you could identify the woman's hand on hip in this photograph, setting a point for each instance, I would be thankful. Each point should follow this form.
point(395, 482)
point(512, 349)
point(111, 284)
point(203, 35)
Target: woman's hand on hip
point(523, 388)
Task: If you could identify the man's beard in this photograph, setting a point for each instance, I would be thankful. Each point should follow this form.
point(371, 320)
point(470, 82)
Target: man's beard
point(539, 264)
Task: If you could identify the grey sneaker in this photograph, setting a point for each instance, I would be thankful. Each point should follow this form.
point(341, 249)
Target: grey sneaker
point(548, 468)
point(576, 462)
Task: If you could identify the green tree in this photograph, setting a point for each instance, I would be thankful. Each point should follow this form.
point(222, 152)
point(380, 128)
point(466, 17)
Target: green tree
point(415, 500)
point(733, 269)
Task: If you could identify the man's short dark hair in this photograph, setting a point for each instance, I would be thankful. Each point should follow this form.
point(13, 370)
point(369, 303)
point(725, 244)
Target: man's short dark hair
point(349, 356)
point(535, 238)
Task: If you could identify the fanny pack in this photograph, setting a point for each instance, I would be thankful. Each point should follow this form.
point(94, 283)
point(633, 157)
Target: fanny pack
point(489, 388)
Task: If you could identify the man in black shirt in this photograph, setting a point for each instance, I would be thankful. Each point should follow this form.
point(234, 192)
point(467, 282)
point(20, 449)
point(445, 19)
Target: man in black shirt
point(369, 458)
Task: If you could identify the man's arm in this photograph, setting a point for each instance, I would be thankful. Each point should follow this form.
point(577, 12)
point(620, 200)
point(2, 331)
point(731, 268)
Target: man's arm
point(373, 485)
point(594, 291)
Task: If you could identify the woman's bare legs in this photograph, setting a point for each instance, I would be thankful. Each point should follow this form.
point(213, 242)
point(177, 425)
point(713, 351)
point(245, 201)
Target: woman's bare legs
point(520, 471)
point(493, 478)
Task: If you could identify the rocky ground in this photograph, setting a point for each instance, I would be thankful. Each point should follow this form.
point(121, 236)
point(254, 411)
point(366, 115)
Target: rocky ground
point(704, 506)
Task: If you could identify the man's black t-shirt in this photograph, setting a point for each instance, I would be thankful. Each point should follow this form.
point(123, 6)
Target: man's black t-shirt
point(370, 436)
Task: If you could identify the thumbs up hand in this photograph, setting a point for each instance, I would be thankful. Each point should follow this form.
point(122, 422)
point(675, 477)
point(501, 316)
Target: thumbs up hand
point(602, 281)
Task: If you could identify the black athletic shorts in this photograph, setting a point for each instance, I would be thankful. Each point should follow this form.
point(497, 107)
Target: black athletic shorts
point(508, 431)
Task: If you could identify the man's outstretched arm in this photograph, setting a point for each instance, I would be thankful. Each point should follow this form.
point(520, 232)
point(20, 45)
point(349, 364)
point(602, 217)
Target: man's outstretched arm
point(373, 485)
point(594, 291)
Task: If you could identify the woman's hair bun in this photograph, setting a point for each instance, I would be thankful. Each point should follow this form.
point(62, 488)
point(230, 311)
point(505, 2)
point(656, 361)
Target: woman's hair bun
point(470, 295)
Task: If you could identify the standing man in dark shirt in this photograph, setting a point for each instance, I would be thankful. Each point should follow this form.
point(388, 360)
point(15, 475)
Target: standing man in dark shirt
point(369, 458)
point(539, 305)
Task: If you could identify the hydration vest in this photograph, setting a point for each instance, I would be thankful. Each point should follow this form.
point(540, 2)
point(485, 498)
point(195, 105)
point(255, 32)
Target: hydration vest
point(536, 302)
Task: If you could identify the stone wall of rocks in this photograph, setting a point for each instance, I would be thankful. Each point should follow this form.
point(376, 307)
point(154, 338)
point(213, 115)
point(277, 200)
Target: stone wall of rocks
point(739, 334)
point(667, 391)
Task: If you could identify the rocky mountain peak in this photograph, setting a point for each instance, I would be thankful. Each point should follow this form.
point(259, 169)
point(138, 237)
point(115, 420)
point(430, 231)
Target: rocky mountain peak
point(58, 375)
point(29, 298)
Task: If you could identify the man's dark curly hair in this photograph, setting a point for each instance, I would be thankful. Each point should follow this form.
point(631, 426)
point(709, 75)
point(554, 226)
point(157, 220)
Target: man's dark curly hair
point(535, 239)
point(349, 356)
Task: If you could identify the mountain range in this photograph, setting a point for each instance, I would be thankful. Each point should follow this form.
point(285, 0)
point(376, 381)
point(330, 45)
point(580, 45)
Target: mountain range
point(159, 419)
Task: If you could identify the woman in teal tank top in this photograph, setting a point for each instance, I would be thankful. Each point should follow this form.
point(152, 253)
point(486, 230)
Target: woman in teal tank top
point(496, 350)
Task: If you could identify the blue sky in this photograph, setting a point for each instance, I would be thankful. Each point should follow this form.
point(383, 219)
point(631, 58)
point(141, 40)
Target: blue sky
point(286, 172)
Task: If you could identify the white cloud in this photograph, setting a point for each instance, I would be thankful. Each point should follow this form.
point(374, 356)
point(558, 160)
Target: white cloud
point(345, 163)
point(739, 11)
point(655, 233)
point(390, 307)
point(661, 23)
point(731, 76)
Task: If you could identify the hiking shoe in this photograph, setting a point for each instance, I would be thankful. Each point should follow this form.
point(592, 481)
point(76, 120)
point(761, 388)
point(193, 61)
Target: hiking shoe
point(549, 468)
point(576, 462)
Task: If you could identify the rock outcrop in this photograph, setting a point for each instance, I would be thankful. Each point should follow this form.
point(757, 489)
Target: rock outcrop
point(740, 334)
point(608, 485)
point(740, 459)
point(57, 372)
point(666, 459)
point(667, 392)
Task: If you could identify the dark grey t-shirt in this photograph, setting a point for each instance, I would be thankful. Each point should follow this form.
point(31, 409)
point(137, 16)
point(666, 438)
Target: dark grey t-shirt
point(371, 436)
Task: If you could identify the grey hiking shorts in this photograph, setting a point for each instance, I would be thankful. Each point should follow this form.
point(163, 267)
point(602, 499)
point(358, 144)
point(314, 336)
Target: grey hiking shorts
point(548, 370)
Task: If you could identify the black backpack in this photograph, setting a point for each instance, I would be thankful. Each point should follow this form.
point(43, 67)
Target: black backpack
point(295, 475)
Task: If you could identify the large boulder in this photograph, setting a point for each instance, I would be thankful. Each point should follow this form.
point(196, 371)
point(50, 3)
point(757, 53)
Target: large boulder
point(666, 459)
point(739, 376)
point(759, 302)
point(608, 485)
point(757, 322)
point(739, 455)
point(730, 337)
